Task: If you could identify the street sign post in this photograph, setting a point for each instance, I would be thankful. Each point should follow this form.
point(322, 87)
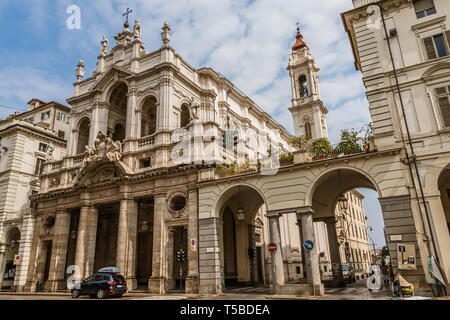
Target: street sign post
point(308, 245)
point(272, 247)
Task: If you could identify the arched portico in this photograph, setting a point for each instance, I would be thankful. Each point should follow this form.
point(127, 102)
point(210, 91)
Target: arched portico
point(8, 268)
point(310, 191)
point(237, 209)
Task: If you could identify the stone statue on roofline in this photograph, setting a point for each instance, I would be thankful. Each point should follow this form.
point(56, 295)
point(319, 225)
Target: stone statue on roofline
point(137, 30)
point(104, 50)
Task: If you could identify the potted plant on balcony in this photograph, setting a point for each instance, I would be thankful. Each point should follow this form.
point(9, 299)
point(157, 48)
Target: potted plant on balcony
point(349, 143)
point(286, 159)
point(369, 138)
point(301, 143)
point(321, 148)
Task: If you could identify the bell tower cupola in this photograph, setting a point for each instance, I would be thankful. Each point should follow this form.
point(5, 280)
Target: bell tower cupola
point(308, 111)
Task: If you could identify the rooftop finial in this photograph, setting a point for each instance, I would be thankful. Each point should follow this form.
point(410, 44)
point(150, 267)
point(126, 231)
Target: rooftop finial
point(300, 43)
point(126, 14)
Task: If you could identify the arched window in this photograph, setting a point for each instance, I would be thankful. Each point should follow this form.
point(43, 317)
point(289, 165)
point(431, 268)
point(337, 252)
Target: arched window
point(118, 111)
point(308, 131)
point(83, 135)
point(185, 116)
point(303, 86)
point(148, 124)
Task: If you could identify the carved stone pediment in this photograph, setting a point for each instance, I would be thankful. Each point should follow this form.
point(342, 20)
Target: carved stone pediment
point(104, 150)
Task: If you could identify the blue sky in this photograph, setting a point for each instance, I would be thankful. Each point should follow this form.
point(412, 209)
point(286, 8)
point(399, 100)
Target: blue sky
point(246, 41)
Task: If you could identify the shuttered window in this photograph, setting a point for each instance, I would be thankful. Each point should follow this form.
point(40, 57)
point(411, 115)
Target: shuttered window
point(431, 54)
point(437, 45)
point(443, 94)
point(424, 8)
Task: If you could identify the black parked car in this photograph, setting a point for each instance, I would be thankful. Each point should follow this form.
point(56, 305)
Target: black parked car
point(107, 282)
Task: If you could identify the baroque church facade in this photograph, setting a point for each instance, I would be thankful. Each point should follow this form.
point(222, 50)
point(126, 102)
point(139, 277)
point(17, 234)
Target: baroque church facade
point(141, 128)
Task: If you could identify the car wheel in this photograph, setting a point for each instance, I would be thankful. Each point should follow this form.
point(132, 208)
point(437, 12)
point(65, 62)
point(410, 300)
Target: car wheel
point(75, 293)
point(100, 294)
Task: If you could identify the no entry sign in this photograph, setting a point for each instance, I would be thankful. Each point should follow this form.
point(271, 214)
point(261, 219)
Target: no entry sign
point(272, 247)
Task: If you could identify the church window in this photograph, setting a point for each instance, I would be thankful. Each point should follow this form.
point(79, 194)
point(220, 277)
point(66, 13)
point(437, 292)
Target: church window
point(83, 135)
point(145, 163)
point(61, 134)
point(148, 124)
point(308, 131)
point(424, 8)
point(39, 166)
point(303, 86)
point(443, 96)
point(185, 116)
point(119, 132)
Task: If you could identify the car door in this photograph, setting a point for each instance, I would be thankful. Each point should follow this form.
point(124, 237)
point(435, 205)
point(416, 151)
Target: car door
point(86, 285)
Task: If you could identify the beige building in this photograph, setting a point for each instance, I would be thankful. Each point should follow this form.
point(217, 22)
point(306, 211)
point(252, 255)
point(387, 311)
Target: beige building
point(27, 141)
point(142, 127)
point(125, 194)
point(404, 46)
point(352, 233)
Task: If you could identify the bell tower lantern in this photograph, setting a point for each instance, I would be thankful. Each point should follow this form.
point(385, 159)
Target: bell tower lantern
point(307, 109)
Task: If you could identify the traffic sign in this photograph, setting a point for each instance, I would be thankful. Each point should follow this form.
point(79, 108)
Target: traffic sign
point(308, 245)
point(272, 247)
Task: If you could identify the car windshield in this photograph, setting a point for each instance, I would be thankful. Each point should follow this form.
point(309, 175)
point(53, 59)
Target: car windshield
point(344, 268)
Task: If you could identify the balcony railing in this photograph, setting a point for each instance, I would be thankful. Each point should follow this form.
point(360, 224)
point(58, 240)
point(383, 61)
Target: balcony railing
point(146, 142)
point(78, 159)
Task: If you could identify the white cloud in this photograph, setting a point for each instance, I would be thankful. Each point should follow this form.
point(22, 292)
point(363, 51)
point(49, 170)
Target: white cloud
point(19, 85)
point(247, 41)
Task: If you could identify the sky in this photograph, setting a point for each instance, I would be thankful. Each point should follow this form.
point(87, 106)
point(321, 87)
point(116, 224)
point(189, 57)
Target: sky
point(248, 41)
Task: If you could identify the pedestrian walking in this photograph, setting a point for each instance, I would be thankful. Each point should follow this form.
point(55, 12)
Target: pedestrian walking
point(385, 274)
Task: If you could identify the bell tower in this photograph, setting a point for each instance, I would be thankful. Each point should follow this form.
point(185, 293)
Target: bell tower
point(308, 111)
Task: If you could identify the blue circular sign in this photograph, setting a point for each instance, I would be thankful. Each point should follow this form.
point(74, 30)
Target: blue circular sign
point(308, 245)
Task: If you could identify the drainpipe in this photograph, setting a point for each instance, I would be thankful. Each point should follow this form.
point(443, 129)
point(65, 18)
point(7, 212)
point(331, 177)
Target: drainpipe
point(409, 159)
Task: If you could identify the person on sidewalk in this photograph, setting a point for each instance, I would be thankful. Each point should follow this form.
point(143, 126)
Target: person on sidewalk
point(385, 274)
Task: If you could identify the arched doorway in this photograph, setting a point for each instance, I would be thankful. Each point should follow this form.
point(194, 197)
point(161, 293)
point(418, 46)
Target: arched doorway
point(242, 252)
point(83, 135)
point(12, 249)
point(117, 117)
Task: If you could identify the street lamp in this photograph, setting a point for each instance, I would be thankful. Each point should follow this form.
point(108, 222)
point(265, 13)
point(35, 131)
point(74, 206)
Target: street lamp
point(370, 229)
point(343, 203)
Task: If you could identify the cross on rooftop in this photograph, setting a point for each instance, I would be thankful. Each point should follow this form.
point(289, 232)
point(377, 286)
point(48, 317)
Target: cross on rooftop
point(127, 13)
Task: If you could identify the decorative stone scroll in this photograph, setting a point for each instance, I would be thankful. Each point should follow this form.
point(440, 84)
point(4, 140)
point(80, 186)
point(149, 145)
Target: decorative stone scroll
point(104, 149)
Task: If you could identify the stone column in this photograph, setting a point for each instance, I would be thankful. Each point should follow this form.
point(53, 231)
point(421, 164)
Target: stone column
point(131, 124)
point(253, 260)
point(170, 257)
point(192, 251)
point(277, 258)
point(30, 285)
point(335, 255)
point(42, 257)
point(157, 282)
point(127, 241)
point(57, 272)
point(87, 232)
point(209, 256)
point(311, 256)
